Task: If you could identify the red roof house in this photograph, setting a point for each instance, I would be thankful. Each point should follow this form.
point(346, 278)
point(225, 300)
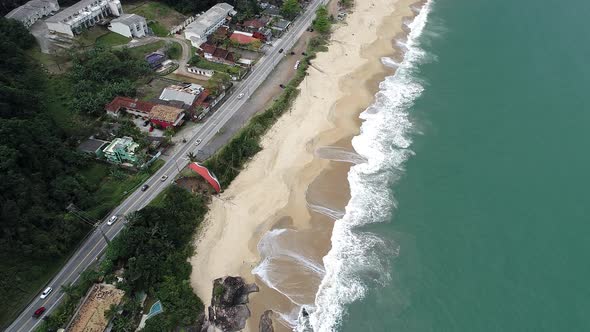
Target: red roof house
point(242, 37)
point(129, 105)
point(255, 24)
point(217, 54)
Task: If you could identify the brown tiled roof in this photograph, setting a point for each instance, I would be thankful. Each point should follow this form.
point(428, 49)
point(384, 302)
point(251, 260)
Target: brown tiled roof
point(242, 38)
point(130, 103)
point(165, 113)
point(220, 53)
point(255, 23)
point(208, 48)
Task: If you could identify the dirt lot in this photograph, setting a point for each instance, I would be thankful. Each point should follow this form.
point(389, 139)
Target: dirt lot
point(90, 316)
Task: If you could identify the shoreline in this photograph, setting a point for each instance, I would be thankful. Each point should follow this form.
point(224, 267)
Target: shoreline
point(272, 191)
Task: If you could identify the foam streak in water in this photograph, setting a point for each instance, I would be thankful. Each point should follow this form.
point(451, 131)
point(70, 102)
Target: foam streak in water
point(358, 258)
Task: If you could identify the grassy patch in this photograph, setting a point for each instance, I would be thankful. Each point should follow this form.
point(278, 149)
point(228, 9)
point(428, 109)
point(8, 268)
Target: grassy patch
point(141, 51)
point(112, 39)
point(158, 29)
point(113, 185)
point(200, 62)
point(174, 51)
point(88, 37)
point(158, 12)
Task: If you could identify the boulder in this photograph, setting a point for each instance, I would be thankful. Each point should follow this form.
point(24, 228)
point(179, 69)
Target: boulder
point(228, 311)
point(266, 322)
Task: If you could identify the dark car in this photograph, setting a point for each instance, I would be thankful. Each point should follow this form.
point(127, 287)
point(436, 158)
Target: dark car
point(39, 312)
point(281, 50)
point(303, 53)
point(282, 86)
point(146, 122)
point(144, 187)
point(292, 53)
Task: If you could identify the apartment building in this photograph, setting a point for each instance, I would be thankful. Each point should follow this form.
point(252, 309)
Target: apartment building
point(130, 25)
point(32, 11)
point(204, 25)
point(83, 15)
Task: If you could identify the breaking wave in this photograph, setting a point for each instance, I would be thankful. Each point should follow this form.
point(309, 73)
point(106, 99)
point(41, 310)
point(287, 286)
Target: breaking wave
point(359, 258)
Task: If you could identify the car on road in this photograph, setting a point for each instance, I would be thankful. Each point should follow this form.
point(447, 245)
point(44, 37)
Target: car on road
point(282, 86)
point(200, 140)
point(163, 178)
point(113, 220)
point(145, 187)
point(39, 312)
point(146, 122)
point(281, 50)
point(241, 95)
point(46, 292)
point(296, 65)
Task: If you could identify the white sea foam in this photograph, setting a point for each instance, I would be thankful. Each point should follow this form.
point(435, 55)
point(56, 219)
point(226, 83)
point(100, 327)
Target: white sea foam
point(285, 263)
point(357, 258)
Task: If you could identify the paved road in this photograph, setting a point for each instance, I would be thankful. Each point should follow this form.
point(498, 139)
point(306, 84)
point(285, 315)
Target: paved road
point(93, 247)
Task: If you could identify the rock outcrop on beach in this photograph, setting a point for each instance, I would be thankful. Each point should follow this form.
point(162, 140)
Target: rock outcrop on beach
point(266, 322)
point(228, 311)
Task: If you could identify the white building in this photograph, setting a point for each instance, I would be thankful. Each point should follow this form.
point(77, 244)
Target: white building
point(186, 94)
point(204, 25)
point(82, 15)
point(201, 71)
point(33, 10)
point(130, 25)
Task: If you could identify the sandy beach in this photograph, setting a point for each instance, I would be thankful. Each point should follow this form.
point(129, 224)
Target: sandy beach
point(292, 187)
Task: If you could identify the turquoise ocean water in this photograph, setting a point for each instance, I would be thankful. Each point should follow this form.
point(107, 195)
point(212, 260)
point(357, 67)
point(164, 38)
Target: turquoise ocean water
point(475, 212)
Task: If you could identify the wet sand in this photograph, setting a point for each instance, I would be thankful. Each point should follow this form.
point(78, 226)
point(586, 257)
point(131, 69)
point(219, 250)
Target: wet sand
point(289, 180)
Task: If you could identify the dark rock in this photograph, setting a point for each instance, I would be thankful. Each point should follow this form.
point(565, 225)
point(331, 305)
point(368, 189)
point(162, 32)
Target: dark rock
point(228, 311)
point(266, 322)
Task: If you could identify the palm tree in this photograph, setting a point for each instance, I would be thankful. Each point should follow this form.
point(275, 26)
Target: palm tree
point(191, 157)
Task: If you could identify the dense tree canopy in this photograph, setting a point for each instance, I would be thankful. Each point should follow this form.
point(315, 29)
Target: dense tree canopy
point(154, 248)
point(290, 9)
point(322, 21)
point(101, 74)
point(38, 173)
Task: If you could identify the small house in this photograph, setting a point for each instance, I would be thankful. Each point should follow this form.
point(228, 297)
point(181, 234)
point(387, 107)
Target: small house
point(185, 93)
point(121, 150)
point(130, 26)
point(166, 116)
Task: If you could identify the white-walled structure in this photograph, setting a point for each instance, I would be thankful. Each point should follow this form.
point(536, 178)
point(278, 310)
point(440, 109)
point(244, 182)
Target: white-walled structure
point(130, 25)
point(32, 11)
point(82, 15)
point(204, 25)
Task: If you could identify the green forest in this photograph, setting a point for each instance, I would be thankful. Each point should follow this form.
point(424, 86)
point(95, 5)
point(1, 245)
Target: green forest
point(153, 251)
point(41, 172)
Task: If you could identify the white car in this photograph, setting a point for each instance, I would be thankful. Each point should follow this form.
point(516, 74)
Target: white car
point(112, 220)
point(241, 95)
point(46, 292)
point(163, 178)
point(198, 142)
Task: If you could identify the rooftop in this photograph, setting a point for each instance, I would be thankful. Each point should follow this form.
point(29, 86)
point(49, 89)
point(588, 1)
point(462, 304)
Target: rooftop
point(76, 8)
point(130, 103)
point(165, 113)
point(91, 145)
point(125, 143)
point(129, 19)
point(30, 8)
point(186, 93)
point(256, 23)
point(209, 18)
point(242, 37)
point(282, 24)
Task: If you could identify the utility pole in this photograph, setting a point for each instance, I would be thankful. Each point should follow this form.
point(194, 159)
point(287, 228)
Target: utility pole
point(86, 219)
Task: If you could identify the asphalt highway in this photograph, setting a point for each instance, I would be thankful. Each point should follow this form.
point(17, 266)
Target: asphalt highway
point(95, 244)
